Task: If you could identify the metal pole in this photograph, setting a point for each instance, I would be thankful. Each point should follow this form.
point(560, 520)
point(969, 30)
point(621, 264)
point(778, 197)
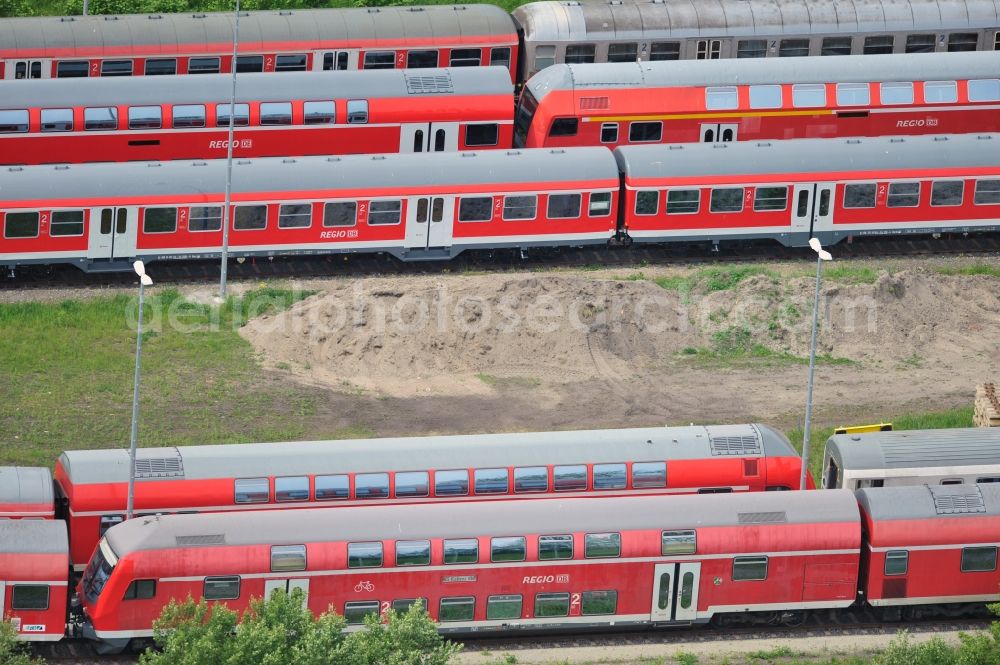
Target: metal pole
point(229, 163)
point(809, 390)
point(135, 407)
point(85, 4)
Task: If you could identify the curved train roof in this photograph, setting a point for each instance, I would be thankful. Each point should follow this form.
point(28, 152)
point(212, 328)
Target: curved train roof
point(432, 452)
point(800, 156)
point(568, 21)
point(350, 173)
point(365, 84)
point(927, 502)
point(25, 485)
point(753, 71)
point(33, 537)
point(502, 518)
point(124, 35)
point(916, 448)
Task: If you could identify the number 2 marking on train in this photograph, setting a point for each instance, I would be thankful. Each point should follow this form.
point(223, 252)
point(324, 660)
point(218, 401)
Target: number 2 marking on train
point(385, 607)
point(575, 600)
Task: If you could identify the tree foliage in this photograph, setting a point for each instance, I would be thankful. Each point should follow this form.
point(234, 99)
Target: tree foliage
point(12, 650)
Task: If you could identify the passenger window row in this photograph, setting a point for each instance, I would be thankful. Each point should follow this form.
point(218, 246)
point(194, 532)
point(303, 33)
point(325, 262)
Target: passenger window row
point(498, 607)
point(420, 59)
point(974, 560)
point(286, 62)
point(524, 207)
point(907, 194)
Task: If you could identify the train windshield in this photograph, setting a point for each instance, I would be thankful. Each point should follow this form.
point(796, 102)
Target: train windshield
point(98, 571)
point(525, 113)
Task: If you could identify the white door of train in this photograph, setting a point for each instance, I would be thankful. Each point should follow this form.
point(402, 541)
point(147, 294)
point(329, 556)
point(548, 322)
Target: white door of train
point(812, 207)
point(326, 61)
point(428, 137)
point(675, 591)
point(429, 221)
point(719, 133)
point(112, 233)
point(28, 69)
point(287, 586)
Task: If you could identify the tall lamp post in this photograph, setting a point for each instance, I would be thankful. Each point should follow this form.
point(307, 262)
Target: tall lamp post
point(144, 281)
point(224, 267)
point(821, 255)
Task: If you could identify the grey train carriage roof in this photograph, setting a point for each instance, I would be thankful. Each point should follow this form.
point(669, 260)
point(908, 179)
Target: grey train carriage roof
point(33, 537)
point(914, 502)
point(25, 484)
point(754, 71)
point(469, 519)
point(799, 156)
point(917, 448)
point(569, 21)
point(368, 84)
point(23, 37)
point(349, 173)
point(436, 452)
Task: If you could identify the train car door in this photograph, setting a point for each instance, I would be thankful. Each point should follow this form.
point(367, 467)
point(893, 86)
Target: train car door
point(675, 591)
point(428, 137)
point(287, 586)
point(812, 207)
point(710, 49)
point(719, 133)
point(28, 69)
point(327, 61)
point(112, 233)
point(429, 222)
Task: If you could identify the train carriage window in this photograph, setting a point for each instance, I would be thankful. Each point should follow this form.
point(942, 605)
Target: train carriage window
point(503, 607)
point(649, 474)
point(647, 202)
point(140, 590)
point(98, 118)
point(116, 68)
point(250, 218)
point(947, 192)
point(903, 195)
point(108, 521)
point(276, 113)
point(340, 213)
point(564, 127)
point(896, 562)
point(291, 488)
point(996, 41)
point(53, 120)
point(628, 52)
point(727, 199)
point(319, 113)
point(286, 558)
point(963, 41)
point(461, 550)
point(723, 97)
point(383, 213)
point(72, 69)
point(979, 559)
point(545, 56)
point(295, 216)
point(160, 67)
point(159, 220)
point(457, 609)
point(357, 111)
point(203, 65)
point(836, 46)
point(569, 478)
point(240, 119)
point(145, 117)
point(421, 59)
point(484, 134)
point(645, 132)
point(860, 195)
point(290, 62)
point(770, 199)
point(332, 487)
point(610, 476)
point(751, 48)
point(205, 218)
point(609, 132)
point(940, 92)
point(413, 552)
point(551, 604)
point(808, 95)
point(412, 483)
point(555, 547)
point(678, 542)
point(920, 43)
point(600, 204)
point(580, 53)
point(189, 115)
point(500, 57)
point(531, 479)
point(564, 206)
point(252, 490)
point(403, 605)
point(984, 90)
point(371, 486)
point(221, 588)
point(511, 548)
point(13, 121)
point(602, 545)
point(987, 192)
point(355, 611)
point(66, 223)
point(877, 44)
point(765, 96)
point(451, 483)
point(988, 479)
point(364, 555)
point(664, 51)
point(475, 209)
point(519, 207)
point(30, 597)
point(490, 481)
point(599, 602)
point(793, 48)
point(249, 63)
point(20, 225)
point(749, 568)
point(683, 201)
point(896, 93)
point(339, 63)
point(465, 57)
point(853, 94)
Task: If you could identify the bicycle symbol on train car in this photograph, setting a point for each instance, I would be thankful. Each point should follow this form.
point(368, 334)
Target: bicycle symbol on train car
point(364, 585)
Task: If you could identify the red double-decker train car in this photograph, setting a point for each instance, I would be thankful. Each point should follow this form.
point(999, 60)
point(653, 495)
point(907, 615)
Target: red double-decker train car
point(34, 587)
point(26, 493)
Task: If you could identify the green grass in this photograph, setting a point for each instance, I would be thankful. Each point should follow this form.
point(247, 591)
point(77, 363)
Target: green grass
point(987, 269)
point(501, 382)
point(735, 346)
point(851, 274)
